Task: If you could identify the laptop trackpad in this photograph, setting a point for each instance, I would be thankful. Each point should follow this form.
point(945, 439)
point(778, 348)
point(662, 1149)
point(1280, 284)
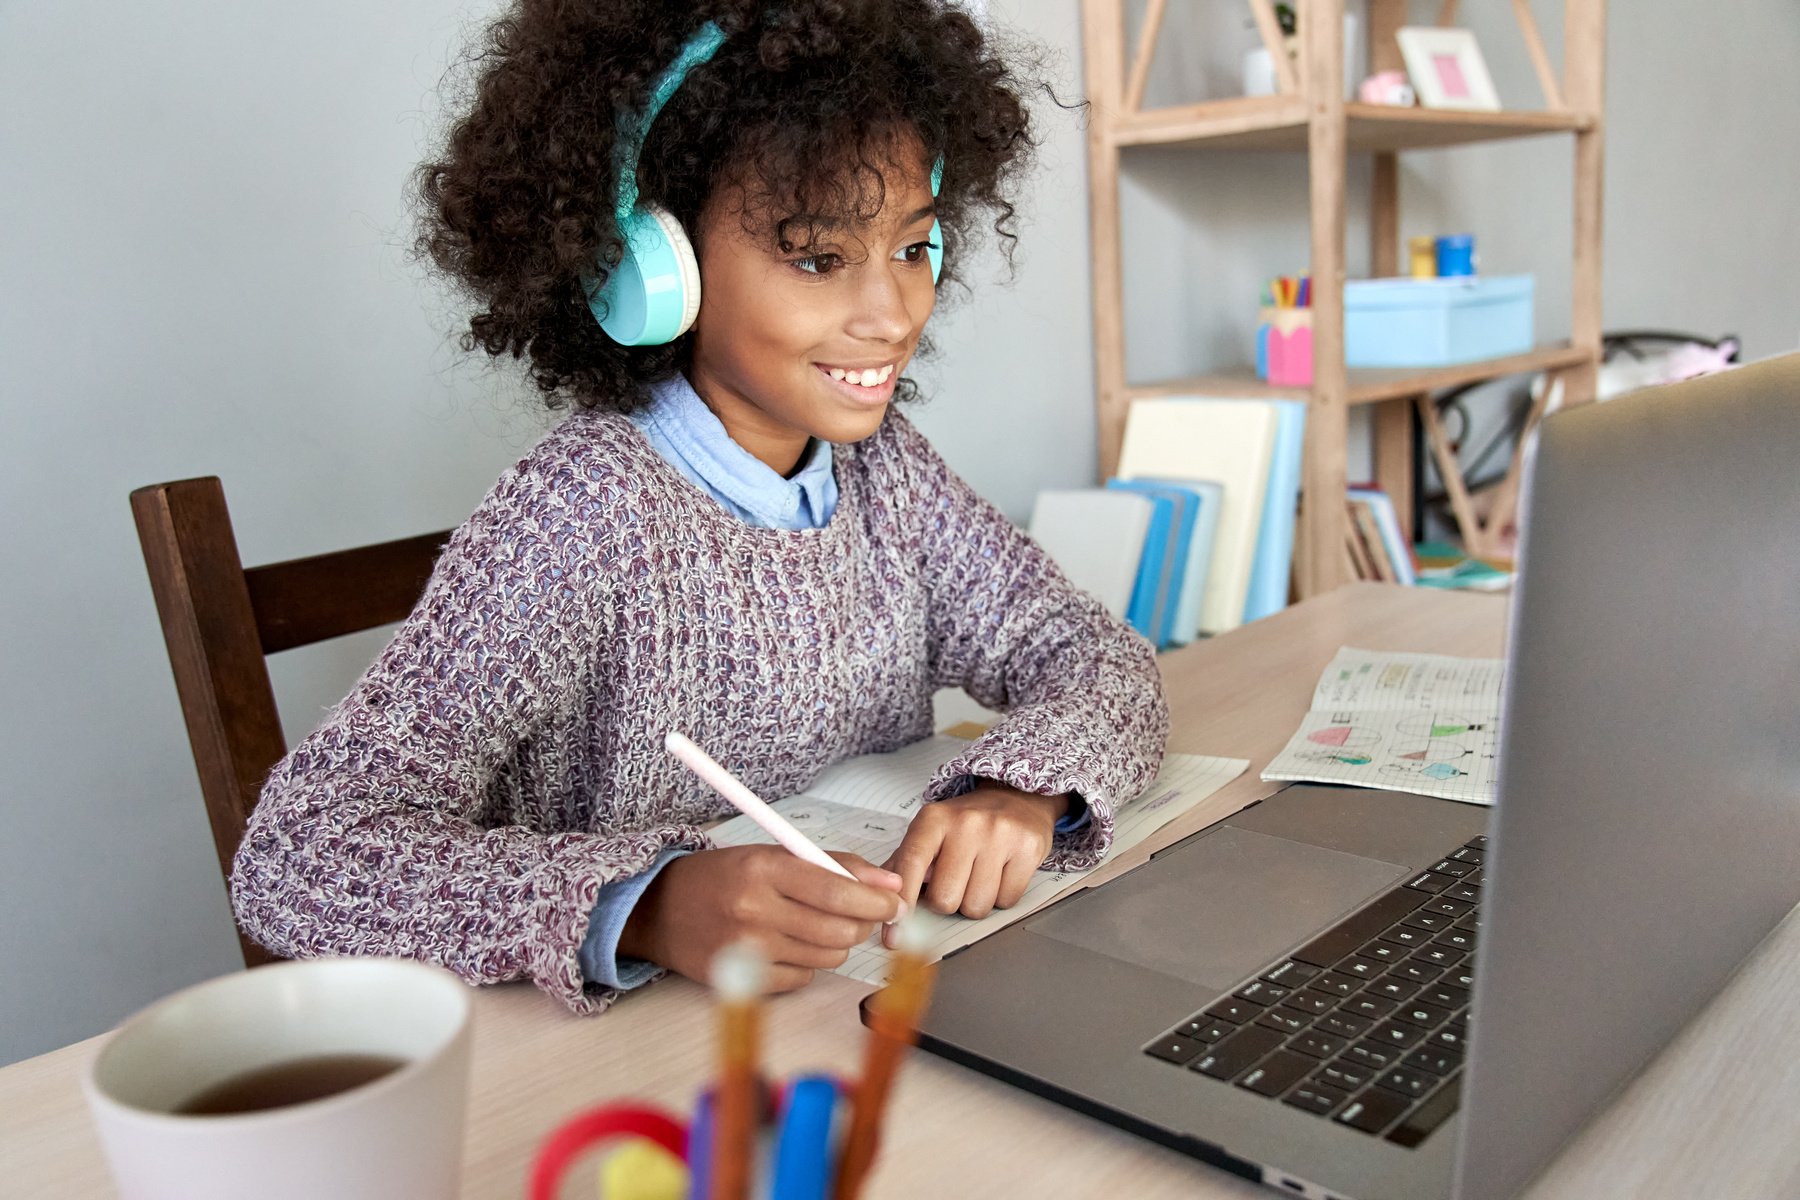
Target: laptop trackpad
point(1214, 910)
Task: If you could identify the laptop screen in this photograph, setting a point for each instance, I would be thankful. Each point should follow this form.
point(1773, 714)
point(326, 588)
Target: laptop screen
point(1648, 819)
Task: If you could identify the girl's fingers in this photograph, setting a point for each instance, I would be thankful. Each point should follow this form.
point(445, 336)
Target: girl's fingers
point(792, 952)
point(868, 872)
point(916, 854)
point(783, 978)
point(801, 923)
point(831, 893)
point(1014, 879)
point(983, 886)
point(950, 873)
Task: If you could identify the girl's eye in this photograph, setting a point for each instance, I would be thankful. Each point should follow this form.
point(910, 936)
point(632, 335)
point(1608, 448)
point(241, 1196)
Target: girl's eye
point(817, 264)
point(915, 253)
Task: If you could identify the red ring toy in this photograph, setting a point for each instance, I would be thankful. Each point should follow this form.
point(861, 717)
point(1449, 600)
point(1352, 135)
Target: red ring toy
point(579, 1132)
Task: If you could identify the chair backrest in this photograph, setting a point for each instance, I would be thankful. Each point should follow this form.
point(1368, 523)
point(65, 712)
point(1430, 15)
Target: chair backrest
point(219, 622)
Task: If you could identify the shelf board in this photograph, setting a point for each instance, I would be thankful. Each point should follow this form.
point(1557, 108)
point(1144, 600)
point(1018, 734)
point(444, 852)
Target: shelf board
point(1376, 127)
point(1369, 385)
point(1280, 123)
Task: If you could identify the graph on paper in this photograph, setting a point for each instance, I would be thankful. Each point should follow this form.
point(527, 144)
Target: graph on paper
point(1424, 723)
point(863, 806)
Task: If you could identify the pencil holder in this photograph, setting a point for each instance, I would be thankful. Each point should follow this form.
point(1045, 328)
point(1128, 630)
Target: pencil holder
point(1284, 347)
point(652, 1156)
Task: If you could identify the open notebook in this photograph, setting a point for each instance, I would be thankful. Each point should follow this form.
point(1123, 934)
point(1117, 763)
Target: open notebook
point(863, 806)
point(1425, 723)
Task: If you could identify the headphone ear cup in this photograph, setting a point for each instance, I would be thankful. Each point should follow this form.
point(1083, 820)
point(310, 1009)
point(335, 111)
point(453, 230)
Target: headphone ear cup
point(935, 252)
point(653, 295)
point(687, 263)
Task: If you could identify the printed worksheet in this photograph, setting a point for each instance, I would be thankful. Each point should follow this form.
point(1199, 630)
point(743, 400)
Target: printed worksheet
point(1424, 723)
point(863, 806)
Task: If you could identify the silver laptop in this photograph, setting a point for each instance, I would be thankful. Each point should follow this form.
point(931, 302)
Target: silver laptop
point(1355, 994)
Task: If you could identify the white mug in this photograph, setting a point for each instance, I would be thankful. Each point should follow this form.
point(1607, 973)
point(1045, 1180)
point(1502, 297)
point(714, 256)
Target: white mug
point(396, 1137)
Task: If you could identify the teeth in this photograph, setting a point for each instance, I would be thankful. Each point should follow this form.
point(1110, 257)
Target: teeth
point(869, 377)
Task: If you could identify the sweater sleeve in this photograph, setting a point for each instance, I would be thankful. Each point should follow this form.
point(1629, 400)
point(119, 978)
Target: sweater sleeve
point(1083, 696)
point(378, 833)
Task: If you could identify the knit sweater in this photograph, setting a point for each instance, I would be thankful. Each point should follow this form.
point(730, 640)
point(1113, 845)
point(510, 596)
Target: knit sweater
point(502, 758)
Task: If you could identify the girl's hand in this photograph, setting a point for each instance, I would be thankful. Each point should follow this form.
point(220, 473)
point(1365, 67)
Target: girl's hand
point(803, 918)
point(978, 849)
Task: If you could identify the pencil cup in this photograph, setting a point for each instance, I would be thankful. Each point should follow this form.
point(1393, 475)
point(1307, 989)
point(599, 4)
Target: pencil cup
point(648, 1154)
point(811, 1138)
point(1284, 347)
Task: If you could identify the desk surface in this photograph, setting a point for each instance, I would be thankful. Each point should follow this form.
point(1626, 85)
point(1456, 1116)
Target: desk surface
point(1713, 1116)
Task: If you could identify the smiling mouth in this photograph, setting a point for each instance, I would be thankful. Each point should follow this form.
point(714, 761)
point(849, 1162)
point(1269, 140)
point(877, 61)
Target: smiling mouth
point(868, 377)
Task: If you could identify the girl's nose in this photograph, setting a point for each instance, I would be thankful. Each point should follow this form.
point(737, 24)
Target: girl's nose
point(882, 312)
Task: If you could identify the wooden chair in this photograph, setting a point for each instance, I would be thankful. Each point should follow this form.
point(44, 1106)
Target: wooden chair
point(220, 621)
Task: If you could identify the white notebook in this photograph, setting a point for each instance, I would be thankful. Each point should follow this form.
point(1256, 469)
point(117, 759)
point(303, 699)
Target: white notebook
point(1096, 536)
point(863, 806)
point(1231, 442)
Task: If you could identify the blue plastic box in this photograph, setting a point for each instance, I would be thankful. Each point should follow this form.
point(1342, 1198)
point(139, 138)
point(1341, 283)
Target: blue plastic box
point(1436, 322)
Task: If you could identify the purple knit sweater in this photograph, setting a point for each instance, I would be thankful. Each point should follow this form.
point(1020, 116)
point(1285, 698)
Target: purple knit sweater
point(502, 758)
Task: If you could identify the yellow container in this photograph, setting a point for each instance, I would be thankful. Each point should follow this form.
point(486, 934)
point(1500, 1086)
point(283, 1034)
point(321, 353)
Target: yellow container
point(1421, 254)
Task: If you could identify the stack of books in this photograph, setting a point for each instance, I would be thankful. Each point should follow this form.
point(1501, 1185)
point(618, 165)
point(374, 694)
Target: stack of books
point(1195, 535)
point(1373, 542)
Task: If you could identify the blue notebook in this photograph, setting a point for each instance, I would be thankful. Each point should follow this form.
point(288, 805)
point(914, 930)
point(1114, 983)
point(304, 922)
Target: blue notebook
point(1229, 442)
point(1207, 498)
point(1274, 561)
point(1150, 611)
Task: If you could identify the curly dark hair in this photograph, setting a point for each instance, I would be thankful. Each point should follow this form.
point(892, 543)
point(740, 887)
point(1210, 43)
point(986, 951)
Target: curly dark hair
point(800, 102)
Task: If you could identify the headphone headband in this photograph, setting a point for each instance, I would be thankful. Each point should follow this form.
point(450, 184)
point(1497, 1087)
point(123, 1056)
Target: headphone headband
point(634, 129)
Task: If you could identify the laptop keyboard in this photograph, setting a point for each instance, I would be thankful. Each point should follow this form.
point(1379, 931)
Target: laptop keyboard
point(1364, 1025)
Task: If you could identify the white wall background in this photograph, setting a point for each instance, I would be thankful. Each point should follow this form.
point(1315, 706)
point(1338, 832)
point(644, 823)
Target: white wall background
point(203, 271)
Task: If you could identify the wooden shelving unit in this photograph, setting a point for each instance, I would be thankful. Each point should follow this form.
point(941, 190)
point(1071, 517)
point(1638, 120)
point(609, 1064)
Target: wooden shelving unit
point(1309, 115)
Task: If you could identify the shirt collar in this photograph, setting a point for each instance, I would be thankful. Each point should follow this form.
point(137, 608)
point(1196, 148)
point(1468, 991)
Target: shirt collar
point(692, 432)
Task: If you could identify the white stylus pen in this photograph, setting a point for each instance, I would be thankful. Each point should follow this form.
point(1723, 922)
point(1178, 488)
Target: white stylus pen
point(749, 803)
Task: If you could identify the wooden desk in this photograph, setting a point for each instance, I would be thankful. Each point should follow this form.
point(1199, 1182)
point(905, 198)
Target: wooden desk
point(1712, 1117)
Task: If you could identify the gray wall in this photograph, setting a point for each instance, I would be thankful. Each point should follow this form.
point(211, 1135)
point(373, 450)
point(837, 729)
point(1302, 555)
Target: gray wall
point(203, 253)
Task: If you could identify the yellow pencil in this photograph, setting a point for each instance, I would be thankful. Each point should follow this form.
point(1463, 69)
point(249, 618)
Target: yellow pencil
point(893, 1025)
point(739, 975)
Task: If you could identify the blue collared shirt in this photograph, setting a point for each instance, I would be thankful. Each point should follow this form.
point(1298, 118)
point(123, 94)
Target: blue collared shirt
point(686, 433)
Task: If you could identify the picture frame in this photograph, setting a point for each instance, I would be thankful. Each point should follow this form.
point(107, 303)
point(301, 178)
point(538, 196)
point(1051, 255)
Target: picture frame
point(1446, 68)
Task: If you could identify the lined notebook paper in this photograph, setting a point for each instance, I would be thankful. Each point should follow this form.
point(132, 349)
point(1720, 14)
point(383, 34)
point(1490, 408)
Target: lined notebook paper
point(1424, 723)
point(863, 806)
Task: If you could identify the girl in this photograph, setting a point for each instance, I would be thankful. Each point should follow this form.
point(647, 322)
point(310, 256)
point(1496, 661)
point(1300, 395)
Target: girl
point(733, 535)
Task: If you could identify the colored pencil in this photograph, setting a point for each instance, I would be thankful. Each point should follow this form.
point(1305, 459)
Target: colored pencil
point(894, 1015)
point(739, 976)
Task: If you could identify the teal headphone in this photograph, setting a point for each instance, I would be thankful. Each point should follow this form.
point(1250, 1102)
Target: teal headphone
point(653, 295)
